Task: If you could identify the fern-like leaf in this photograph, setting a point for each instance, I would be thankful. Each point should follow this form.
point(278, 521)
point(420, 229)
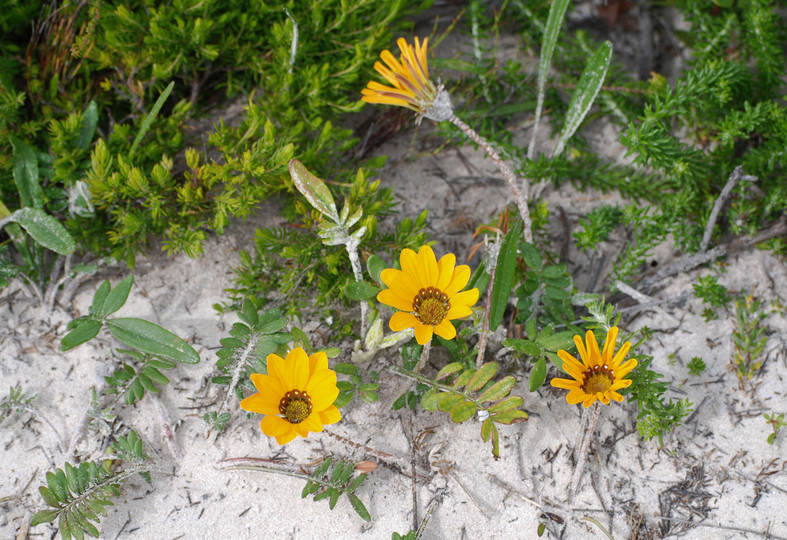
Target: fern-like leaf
point(332, 478)
point(78, 496)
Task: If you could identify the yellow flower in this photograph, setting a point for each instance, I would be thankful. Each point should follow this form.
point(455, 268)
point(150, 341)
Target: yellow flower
point(426, 293)
point(412, 87)
point(301, 389)
point(599, 375)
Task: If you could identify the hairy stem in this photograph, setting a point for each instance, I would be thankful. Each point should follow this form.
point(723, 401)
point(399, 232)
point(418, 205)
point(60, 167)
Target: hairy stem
point(508, 174)
point(424, 357)
point(583, 452)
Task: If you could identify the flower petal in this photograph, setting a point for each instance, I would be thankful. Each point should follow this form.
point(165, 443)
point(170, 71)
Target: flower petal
point(391, 298)
point(614, 395)
point(322, 389)
point(281, 369)
point(624, 350)
point(569, 359)
point(428, 266)
point(300, 367)
point(566, 384)
point(282, 430)
point(423, 333)
point(445, 267)
point(401, 320)
point(623, 370)
point(409, 262)
point(609, 346)
point(311, 424)
point(461, 302)
point(594, 355)
point(588, 401)
point(265, 384)
point(260, 403)
point(583, 352)
point(329, 416)
point(576, 395)
point(458, 280)
point(318, 361)
point(445, 330)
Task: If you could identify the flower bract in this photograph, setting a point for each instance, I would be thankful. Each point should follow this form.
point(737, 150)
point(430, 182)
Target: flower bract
point(427, 294)
point(600, 374)
point(411, 86)
point(296, 396)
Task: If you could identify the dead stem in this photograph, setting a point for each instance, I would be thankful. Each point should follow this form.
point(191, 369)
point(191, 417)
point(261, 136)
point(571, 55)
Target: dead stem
point(383, 456)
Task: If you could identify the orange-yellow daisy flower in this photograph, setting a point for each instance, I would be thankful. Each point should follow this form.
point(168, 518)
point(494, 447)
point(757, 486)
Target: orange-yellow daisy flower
point(599, 375)
point(411, 85)
point(426, 293)
point(301, 389)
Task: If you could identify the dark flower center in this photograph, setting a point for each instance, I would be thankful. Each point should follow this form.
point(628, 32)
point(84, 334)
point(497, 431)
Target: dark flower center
point(598, 379)
point(296, 406)
point(431, 306)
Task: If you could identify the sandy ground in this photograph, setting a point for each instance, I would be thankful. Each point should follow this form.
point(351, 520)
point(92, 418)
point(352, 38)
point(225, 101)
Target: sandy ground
point(716, 471)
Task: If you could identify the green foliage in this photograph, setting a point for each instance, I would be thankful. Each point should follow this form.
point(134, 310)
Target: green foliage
point(78, 496)
point(696, 365)
point(410, 353)
point(356, 385)
point(777, 422)
point(139, 334)
point(655, 415)
point(546, 290)
point(463, 392)
point(125, 58)
point(246, 351)
point(132, 380)
point(597, 225)
point(16, 402)
point(331, 479)
point(712, 293)
point(295, 262)
point(748, 338)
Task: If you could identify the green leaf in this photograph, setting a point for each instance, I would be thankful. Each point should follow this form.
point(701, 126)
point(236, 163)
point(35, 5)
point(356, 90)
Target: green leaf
point(44, 229)
point(151, 338)
point(431, 398)
point(375, 265)
point(117, 297)
point(359, 507)
point(314, 189)
point(498, 390)
point(26, 174)
point(555, 294)
point(555, 359)
point(555, 19)
point(538, 375)
point(511, 402)
point(449, 401)
point(449, 370)
point(89, 123)
point(99, 297)
point(504, 275)
point(463, 412)
point(85, 331)
point(587, 89)
point(43, 516)
point(524, 346)
point(150, 118)
point(555, 342)
point(482, 376)
point(50, 499)
point(486, 429)
point(360, 290)
point(531, 255)
point(508, 417)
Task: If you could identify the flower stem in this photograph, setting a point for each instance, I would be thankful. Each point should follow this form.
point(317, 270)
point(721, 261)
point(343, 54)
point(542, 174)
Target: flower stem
point(424, 357)
point(355, 262)
point(583, 452)
point(492, 266)
point(508, 174)
point(383, 456)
